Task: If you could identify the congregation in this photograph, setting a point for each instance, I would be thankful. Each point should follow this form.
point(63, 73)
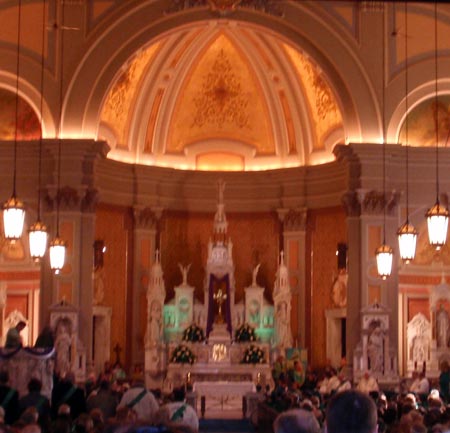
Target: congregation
point(307, 406)
point(108, 403)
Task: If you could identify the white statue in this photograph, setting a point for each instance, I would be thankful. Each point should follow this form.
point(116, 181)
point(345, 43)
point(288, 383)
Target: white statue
point(63, 343)
point(153, 336)
point(442, 327)
point(255, 274)
point(184, 272)
point(375, 350)
point(283, 327)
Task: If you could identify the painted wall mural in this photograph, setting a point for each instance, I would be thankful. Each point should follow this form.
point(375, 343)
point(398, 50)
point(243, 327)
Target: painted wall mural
point(422, 120)
point(28, 125)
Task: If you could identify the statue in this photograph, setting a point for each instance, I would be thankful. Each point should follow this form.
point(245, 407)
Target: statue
point(184, 272)
point(63, 343)
point(283, 327)
point(153, 336)
point(255, 273)
point(375, 350)
point(442, 327)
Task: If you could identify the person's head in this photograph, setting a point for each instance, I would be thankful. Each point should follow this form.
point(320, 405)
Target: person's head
point(64, 409)
point(296, 421)
point(351, 412)
point(179, 394)
point(21, 325)
point(34, 385)
point(105, 385)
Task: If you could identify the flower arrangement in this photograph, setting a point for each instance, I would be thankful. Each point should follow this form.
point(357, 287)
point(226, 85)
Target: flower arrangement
point(244, 333)
point(253, 355)
point(193, 333)
point(182, 355)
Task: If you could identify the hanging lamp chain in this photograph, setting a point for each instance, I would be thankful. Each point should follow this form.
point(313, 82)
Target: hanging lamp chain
point(16, 126)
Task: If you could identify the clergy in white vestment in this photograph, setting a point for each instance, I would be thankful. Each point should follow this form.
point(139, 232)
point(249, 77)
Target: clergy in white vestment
point(368, 384)
point(344, 384)
point(421, 385)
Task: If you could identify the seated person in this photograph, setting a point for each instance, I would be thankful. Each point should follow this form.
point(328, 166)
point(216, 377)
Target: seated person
point(177, 413)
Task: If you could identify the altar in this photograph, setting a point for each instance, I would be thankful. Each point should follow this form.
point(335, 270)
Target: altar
point(216, 341)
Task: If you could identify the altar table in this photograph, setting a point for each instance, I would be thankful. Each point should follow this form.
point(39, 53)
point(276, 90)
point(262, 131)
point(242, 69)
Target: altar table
point(222, 390)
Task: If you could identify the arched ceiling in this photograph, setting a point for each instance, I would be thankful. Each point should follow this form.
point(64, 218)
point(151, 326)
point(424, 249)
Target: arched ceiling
point(221, 96)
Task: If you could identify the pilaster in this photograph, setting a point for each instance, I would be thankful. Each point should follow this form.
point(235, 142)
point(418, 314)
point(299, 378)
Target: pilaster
point(146, 234)
point(294, 246)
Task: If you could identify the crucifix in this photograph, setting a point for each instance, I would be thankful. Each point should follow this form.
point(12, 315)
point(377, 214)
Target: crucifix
point(220, 298)
point(117, 349)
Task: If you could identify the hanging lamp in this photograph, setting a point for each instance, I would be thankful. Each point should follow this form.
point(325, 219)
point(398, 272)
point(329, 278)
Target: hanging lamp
point(57, 245)
point(37, 233)
point(384, 253)
point(13, 209)
point(407, 234)
point(437, 216)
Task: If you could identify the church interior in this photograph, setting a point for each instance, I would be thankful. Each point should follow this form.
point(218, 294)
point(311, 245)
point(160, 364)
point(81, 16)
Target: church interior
point(298, 136)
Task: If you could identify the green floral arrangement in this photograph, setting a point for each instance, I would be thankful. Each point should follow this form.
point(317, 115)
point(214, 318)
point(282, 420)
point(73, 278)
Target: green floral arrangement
point(182, 355)
point(253, 355)
point(194, 334)
point(245, 333)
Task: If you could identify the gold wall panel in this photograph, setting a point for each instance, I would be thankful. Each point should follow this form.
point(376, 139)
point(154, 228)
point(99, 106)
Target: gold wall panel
point(113, 227)
point(328, 228)
point(418, 305)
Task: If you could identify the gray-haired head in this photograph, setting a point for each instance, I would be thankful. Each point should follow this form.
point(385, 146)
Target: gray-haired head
point(296, 421)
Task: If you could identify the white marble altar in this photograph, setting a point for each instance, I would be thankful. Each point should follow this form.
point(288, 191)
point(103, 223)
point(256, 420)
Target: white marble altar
point(219, 357)
point(70, 352)
point(374, 353)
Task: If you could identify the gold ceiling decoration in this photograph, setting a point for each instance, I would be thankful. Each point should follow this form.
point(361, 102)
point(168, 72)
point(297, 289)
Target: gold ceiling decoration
point(323, 107)
point(118, 106)
point(221, 99)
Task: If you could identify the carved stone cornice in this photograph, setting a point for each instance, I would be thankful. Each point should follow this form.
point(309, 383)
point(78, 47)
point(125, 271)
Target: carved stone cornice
point(370, 202)
point(147, 217)
point(293, 220)
point(374, 202)
point(90, 200)
point(70, 199)
point(225, 7)
point(351, 204)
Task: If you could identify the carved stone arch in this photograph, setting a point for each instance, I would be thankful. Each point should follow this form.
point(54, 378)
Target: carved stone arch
point(103, 59)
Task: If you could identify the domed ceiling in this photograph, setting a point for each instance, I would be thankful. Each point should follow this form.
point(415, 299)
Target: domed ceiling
point(221, 96)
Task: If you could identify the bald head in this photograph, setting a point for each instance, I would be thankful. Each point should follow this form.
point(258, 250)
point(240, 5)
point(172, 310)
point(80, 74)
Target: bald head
point(351, 412)
point(296, 421)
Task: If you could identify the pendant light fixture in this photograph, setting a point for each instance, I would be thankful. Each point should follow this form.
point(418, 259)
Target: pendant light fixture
point(37, 233)
point(57, 245)
point(437, 216)
point(13, 209)
point(407, 234)
point(384, 253)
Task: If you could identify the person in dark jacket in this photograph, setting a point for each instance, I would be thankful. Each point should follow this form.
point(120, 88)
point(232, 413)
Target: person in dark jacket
point(9, 399)
point(103, 399)
point(34, 398)
point(66, 392)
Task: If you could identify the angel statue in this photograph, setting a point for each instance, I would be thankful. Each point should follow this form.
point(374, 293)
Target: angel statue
point(184, 272)
point(255, 273)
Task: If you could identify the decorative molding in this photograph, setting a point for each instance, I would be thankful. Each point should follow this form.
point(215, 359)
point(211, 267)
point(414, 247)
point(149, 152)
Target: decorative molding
point(351, 204)
point(146, 217)
point(374, 202)
point(295, 220)
point(90, 200)
point(225, 7)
